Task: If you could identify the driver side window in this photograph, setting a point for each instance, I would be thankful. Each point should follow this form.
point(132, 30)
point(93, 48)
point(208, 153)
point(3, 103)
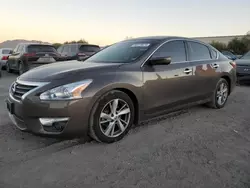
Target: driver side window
point(16, 49)
point(174, 49)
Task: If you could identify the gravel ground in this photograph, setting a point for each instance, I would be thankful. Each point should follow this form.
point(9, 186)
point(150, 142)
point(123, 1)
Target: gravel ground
point(199, 147)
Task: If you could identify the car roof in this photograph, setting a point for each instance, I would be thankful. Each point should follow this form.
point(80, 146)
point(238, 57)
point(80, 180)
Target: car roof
point(158, 38)
point(165, 38)
point(30, 43)
point(81, 44)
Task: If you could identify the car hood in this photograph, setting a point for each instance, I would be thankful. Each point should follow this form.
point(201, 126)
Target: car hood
point(242, 62)
point(64, 69)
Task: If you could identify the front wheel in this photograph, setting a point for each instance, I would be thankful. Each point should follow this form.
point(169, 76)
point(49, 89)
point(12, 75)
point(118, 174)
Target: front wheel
point(112, 117)
point(220, 95)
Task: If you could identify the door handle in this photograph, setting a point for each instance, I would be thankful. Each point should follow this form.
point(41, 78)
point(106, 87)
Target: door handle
point(215, 66)
point(187, 71)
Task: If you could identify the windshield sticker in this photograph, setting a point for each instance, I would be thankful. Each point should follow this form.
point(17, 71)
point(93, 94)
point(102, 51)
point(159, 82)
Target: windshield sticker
point(141, 45)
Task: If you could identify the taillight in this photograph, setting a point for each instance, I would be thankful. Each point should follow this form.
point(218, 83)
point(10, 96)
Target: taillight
point(5, 57)
point(29, 54)
point(233, 64)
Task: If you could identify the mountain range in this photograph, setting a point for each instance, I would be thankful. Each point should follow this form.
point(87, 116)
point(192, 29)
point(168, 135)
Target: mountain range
point(14, 43)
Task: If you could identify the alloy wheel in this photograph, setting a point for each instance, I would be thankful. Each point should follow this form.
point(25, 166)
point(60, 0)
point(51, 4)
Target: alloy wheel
point(222, 94)
point(114, 118)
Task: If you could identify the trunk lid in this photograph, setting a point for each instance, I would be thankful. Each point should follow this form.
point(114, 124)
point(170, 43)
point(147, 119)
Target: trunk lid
point(41, 54)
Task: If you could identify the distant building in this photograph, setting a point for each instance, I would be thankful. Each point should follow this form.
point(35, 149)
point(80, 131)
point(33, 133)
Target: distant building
point(223, 39)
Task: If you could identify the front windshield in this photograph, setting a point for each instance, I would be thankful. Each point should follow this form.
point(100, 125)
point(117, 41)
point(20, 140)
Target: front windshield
point(246, 56)
point(123, 52)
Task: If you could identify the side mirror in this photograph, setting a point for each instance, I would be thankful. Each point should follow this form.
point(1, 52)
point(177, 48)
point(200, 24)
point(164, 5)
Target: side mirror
point(160, 60)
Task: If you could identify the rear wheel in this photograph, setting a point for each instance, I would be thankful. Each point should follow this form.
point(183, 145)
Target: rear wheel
point(21, 69)
point(220, 95)
point(8, 69)
point(112, 117)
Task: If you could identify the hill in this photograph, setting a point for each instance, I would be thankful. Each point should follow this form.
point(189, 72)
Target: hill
point(14, 43)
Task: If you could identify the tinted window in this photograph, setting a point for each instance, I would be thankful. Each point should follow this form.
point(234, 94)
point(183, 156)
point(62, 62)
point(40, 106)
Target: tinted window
point(198, 51)
point(174, 49)
point(41, 48)
point(21, 48)
point(66, 49)
point(16, 49)
point(73, 48)
point(123, 52)
point(6, 51)
point(226, 53)
point(214, 54)
point(85, 48)
point(60, 49)
point(246, 56)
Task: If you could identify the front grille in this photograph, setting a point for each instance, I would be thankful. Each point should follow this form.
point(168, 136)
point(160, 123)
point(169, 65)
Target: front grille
point(18, 90)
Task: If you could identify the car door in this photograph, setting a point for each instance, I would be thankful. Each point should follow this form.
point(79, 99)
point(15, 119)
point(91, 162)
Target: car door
point(18, 55)
point(206, 68)
point(167, 86)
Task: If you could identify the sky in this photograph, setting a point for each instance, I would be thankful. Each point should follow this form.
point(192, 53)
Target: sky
point(104, 22)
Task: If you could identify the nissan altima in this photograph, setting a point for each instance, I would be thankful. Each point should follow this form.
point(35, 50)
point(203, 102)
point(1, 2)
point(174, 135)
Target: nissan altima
point(124, 84)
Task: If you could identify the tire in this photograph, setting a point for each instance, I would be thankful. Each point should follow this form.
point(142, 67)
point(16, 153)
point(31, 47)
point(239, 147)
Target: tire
point(8, 69)
point(21, 68)
point(100, 127)
point(215, 99)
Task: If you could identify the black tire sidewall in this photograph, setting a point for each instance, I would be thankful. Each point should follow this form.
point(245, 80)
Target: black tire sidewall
point(222, 80)
point(97, 134)
point(8, 67)
point(20, 65)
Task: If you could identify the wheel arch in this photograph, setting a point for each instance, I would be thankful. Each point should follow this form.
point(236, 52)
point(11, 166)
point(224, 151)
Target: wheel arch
point(134, 99)
point(229, 81)
point(128, 89)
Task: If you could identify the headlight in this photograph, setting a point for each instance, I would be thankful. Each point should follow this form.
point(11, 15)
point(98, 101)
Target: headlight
point(66, 92)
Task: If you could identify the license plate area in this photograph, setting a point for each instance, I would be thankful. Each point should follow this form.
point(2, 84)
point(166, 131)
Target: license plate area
point(46, 60)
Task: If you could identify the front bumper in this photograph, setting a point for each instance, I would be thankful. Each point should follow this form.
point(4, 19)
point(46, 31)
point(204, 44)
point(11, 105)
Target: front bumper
point(25, 114)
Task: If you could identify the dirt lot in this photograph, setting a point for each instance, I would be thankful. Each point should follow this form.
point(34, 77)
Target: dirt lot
point(199, 147)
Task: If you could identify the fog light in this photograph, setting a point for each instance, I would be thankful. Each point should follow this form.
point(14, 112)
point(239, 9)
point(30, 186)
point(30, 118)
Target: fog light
point(52, 121)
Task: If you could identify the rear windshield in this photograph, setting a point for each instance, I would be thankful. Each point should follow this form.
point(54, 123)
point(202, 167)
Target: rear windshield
point(89, 48)
point(41, 48)
point(246, 56)
point(7, 51)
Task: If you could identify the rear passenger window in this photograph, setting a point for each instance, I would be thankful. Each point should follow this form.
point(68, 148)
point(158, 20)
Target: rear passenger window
point(21, 48)
point(213, 54)
point(6, 51)
point(66, 49)
point(74, 49)
point(60, 49)
point(174, 49)
point(16, 49)
point(198, 51)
